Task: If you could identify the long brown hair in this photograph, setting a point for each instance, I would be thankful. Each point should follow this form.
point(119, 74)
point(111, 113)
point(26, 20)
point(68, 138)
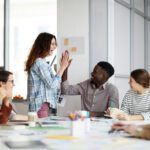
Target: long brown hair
point(40, 49)
point(142, 77)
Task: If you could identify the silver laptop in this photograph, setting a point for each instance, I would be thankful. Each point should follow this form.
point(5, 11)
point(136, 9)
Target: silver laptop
point(69, 103)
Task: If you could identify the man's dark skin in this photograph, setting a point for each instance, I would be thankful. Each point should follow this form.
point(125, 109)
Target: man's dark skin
point(98, 77)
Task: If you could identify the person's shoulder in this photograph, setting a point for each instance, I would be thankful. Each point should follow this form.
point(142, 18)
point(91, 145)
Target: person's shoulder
point(85, 82)
point(39, 61)
point(110, 85)
point(130, 92)
point(88, 81)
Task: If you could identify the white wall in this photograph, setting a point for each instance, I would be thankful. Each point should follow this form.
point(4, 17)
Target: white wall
point(98, 32)
point(116, 35)
point(138, 35)
point(122, 48)
point(73, 21)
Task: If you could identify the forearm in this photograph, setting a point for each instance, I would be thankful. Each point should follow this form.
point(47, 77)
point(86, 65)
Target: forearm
point(142, 133)
point(61, 71)
point(146, 126)
point(135, 117)
point(65, 75)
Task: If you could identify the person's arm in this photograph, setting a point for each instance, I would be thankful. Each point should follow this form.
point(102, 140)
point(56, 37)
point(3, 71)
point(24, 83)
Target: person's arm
point(124, 116)
point(76, 89)
point(65, 75)
point(142, 116)
point(135, 117)
point(142, 131)
point(124, 105)
point(64, 63)
point(5, 111)
point(44, 72)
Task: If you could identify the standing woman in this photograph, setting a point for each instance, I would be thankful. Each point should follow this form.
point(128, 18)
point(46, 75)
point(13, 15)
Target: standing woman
point(43, 86)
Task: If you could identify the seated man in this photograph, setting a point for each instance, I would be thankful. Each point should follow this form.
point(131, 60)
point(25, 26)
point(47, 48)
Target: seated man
point(96, 93)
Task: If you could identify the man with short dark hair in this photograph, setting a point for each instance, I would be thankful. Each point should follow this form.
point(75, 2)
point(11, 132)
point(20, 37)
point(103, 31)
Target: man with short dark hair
point(96, 93)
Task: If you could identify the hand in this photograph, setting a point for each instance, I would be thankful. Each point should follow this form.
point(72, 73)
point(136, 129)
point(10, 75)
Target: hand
point(131, 129)
point(118, 127)
point(64, 60)
point(123, 116)
point(107, 111)
point(114, 112)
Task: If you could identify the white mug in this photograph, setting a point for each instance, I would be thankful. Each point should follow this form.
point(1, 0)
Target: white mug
point(32, 116)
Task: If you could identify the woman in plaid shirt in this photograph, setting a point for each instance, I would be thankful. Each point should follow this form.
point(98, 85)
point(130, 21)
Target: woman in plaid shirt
point(43, 86)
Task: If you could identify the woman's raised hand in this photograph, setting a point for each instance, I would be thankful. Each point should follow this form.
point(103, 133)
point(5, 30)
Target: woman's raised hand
point(65, 61)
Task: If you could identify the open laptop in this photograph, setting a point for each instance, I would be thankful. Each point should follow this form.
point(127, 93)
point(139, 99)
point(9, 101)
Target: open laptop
point(69, 103)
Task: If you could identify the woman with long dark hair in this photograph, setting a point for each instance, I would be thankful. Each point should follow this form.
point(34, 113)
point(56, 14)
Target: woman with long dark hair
point(43, 85)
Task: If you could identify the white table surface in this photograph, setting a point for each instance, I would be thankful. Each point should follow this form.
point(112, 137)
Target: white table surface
point(96, 139)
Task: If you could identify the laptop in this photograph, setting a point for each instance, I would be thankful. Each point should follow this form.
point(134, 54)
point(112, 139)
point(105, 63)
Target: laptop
point(68, 104)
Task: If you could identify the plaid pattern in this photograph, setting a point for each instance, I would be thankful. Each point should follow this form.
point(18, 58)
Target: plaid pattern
point(43, 85)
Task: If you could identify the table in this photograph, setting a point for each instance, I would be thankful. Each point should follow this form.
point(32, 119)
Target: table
point(58, 137)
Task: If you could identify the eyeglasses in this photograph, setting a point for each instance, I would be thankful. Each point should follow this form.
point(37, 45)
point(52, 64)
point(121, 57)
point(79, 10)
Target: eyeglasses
point(12, 81)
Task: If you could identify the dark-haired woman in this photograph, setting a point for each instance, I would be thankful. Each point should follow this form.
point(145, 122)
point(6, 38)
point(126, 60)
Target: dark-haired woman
point(43, 85)
point(6, 87)
point(136, 102)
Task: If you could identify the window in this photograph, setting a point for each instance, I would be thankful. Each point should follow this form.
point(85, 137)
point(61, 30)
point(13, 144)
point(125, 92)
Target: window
point(149, 46)
point(122, 39)
point(27, 19)
point(138, 41)
point(139, 4)
point(1, 33)
point(127, 1)
point(149, 8)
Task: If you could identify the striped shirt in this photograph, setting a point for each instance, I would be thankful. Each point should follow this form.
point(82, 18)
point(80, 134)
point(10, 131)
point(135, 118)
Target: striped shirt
point(43, 85)
point(137, 104)
point(93, 99)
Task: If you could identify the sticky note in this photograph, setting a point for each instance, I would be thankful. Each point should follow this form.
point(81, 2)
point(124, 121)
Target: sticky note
point(66, 41)
point(62, 137)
